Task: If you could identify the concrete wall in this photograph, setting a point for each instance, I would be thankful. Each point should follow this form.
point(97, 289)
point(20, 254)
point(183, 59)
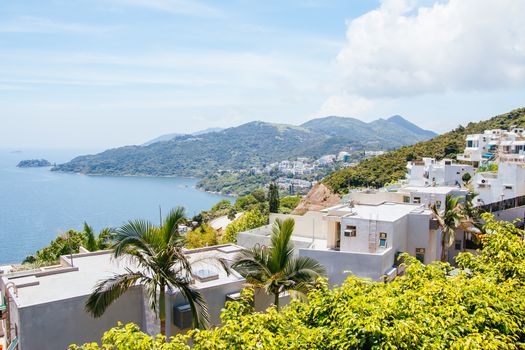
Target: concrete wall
point(339, 265)
point(309, 225)
point(58, 324)
point(215, 297)
point(419, 236)
point(375, 198)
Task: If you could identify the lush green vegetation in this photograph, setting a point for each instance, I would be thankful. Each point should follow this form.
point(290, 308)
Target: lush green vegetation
point(241, 148)
point(479, 306)
point(288, 204)
point(237, 183)
point(161, 264)
point(377, 171)
point(275, 269)
point(202, 236)
point(249, 220)
point(273, 198)
point(69, 243)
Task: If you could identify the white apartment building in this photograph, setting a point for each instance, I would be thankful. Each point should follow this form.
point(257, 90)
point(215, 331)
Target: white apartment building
point(496, 142)
point(363, 239)
point(45, 307)
point(430, 172)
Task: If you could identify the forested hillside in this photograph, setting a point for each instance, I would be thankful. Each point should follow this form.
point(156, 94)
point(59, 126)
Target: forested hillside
point(249, 145)
point(391, 166)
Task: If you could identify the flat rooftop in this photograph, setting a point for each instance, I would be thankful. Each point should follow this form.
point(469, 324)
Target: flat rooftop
point(65, 282)
point(430, 189)
point(386, 211)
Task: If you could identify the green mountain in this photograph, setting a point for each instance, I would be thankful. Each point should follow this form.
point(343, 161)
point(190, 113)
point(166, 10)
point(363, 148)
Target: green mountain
point(391, 166)
point(169, 137)
point(248, 145)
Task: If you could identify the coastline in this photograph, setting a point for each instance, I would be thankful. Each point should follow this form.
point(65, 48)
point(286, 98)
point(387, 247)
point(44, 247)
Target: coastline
point(151, 176)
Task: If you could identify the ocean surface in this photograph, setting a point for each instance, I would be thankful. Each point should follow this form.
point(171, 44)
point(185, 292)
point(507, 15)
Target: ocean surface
point(37, 204)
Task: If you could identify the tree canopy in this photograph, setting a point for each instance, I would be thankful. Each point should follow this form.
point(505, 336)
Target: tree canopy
point(479, 305)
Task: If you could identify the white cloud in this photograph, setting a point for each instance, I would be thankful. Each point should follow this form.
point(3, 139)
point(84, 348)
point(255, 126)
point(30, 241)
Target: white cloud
point(29, 24)
point(401, 49)
point(344, 105)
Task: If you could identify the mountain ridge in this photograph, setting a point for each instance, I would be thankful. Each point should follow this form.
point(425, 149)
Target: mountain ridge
point(252, 144)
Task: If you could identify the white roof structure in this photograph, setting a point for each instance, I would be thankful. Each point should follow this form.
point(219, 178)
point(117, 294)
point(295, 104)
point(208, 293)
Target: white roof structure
point(79, 278)
point(387, 211)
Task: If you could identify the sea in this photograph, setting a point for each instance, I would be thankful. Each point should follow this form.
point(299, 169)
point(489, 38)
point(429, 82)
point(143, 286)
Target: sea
point(37, 204)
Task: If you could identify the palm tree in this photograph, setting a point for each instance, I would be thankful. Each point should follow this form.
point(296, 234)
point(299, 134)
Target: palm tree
point(449, 220)
point(102, 241)
point(160, 265)
point(275, 269)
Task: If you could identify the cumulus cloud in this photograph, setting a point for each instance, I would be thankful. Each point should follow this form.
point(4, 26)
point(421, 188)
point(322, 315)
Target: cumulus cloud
point(404, 49)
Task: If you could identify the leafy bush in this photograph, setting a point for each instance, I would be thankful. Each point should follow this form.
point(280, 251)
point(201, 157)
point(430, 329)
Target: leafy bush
point(479, 306)
point(202, 236)
point(249, 220)
point(288, 204)
point(245, 202)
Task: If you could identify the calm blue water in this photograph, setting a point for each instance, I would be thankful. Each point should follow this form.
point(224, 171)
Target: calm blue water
point(37, 204)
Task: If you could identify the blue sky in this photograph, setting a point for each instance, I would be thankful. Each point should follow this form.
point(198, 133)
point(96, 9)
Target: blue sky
point(104, 73)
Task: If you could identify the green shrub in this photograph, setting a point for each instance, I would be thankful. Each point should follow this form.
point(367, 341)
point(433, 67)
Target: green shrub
point(479, 306)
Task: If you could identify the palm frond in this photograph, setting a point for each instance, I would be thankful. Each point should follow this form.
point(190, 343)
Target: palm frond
point(199, 308)
point(170, 226)
point(304, 269)
point(135, 234)
point(91, 242)
point(282, 249)
point(109, 290)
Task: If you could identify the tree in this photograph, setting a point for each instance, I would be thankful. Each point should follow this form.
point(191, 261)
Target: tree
point(245, 202)
point(480, 306)
point(275, 269)
point(202, 236)
point(100, 242)
point(466, 178)
point(273, 198)
point(259, 194)
point(161, 264)
point(449, 220)
point(288, 204)
point(247, 221)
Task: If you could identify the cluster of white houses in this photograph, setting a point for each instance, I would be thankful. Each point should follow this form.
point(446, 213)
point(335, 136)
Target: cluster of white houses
point(44, 308)
point(366, 232)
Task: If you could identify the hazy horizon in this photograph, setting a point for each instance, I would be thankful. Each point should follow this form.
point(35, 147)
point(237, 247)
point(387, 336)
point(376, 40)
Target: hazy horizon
point(105, 73)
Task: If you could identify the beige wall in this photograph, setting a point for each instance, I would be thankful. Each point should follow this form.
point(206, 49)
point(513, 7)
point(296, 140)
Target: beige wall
point(309, 225)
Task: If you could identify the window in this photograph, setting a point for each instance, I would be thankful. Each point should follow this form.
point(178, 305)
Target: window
point(417, 200)
point(382, 240)
point(420, 254)
point(350, 231)
point(508, 187)
point(438, 204)
point(406, 199)
point(457, 245)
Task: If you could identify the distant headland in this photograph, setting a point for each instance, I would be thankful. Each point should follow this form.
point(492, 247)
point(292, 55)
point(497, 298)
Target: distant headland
point(34, 163)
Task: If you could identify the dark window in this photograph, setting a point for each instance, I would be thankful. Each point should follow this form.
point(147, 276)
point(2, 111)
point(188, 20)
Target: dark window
point(457, 245)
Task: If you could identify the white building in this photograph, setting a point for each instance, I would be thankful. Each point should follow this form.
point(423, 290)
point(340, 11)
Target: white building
point(430, 172)
point(45, 307)
point(496, 142)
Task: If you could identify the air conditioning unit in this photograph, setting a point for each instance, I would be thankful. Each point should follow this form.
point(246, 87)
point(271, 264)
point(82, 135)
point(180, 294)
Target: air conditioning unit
point(349, 233)
point(182, 316)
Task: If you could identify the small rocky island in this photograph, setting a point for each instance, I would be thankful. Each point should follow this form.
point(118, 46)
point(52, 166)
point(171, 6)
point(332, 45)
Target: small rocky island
point(33, 163)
